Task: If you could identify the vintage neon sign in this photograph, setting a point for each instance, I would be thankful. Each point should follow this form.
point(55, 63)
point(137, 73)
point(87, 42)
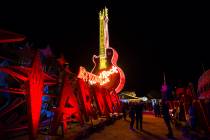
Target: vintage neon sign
point(107, 57)
point(102, 79)
point(104, 75)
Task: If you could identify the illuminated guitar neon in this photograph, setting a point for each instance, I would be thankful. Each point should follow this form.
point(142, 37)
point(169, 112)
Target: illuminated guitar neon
point(106, 63)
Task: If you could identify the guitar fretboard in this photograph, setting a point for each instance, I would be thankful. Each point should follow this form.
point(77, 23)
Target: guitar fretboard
point(103, 17)
point(102, 49)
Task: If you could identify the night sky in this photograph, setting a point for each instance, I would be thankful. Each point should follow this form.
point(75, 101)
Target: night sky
point(149, 38)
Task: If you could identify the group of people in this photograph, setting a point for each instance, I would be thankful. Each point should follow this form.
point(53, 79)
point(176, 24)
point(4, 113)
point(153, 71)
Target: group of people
point(136, 114)
point(190, 113)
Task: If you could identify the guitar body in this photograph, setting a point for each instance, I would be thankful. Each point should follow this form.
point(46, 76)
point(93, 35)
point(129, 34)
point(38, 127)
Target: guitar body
point(117, 80)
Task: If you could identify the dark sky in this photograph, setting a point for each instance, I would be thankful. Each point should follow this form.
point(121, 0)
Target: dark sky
point(149, 37)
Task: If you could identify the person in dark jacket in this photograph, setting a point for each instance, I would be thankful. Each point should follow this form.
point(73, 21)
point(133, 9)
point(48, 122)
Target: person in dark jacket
point(158, 110)
point(155, 109)
point(124, 111)
point(166, 117)
point(132, 116)
point(139, 115)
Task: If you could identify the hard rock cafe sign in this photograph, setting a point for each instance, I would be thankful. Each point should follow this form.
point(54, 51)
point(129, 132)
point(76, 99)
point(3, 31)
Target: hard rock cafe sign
point(101, 79)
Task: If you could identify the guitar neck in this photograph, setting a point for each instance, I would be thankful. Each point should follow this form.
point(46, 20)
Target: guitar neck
point(103, 17)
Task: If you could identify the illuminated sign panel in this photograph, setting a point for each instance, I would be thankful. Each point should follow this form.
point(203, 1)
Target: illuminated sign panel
point(102, 79)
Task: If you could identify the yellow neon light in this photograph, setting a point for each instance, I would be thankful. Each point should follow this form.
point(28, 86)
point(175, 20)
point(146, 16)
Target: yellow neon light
point(102, 35)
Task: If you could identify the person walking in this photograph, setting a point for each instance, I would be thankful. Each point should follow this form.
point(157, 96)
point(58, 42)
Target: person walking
point(166, 117)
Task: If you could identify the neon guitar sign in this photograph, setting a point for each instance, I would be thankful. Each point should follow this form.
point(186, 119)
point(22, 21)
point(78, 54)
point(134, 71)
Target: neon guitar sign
point(105, 65)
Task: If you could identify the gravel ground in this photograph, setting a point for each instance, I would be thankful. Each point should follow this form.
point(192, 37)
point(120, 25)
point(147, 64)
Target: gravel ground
point(154, 129)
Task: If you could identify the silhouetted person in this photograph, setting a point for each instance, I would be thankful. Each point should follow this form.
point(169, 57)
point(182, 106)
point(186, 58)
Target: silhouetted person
point(158, 110)
point(132, 116)
point(155, 109)
point(139, 115)
point(181, 112)
point(166, 117)
point(124, 110)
